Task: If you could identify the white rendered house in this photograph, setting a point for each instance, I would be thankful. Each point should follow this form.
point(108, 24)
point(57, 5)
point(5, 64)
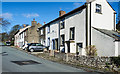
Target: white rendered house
point(94, 23)
point(20, 37)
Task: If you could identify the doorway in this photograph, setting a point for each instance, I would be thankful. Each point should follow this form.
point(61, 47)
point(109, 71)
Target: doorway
point(53, 44)
point(56, 44)
point(79, 48)
point(68, 46)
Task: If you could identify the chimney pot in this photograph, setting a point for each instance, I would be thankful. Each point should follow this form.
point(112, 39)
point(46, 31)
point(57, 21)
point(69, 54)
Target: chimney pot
point(61, 13)
point(44, 22)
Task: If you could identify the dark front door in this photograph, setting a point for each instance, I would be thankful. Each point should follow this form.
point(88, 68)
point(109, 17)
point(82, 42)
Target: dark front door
point(53, 44)
point(56, 44)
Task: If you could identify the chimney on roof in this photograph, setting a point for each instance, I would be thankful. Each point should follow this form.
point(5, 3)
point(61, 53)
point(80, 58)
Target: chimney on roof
point(61, 12)
point(44, 23)
point(34, 22)
point(24, 25)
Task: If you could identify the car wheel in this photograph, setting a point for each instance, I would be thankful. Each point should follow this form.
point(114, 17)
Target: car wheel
point(31, 50)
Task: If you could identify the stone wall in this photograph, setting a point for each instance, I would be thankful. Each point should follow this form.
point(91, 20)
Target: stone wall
point(99, 62)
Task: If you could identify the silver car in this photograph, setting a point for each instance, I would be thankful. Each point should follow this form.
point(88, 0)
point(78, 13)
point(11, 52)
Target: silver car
point(35, 47)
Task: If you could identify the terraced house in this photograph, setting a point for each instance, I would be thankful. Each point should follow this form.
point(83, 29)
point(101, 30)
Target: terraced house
point(93, 23)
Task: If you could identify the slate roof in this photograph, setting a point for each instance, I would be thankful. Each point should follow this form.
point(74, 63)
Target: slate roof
point(110, 33)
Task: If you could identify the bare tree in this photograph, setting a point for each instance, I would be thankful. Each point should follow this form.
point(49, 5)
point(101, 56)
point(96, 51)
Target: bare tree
point(4, 23)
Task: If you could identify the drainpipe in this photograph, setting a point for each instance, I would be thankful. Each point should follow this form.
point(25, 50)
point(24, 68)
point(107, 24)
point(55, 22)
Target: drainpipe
point(59, 37)
point(90, 25)
point(89, 44)
point(86, 24)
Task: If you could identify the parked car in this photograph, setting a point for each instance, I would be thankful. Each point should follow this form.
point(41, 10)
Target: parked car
point(24, 47)
point(35, 47)
point(8, 43)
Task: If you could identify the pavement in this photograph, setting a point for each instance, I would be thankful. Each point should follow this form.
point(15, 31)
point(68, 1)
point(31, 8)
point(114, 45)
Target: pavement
point(11, 54)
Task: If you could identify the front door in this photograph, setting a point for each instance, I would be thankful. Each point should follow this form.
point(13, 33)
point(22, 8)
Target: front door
point(53, 44)
point(79, 48)
point(68, 46)
point(56, 44)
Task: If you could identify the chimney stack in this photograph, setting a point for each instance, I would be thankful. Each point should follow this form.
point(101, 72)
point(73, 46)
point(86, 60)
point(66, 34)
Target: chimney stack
point(24, 25)
point(61, 12)
point(34, 22)
point(44, 23)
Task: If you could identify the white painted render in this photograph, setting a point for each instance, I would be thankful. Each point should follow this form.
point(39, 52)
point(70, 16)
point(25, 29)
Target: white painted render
point(53, 33)
point(116, 48)
point(77, 20)
point(16, 42)
point(119, 48)
point(105, 20)
point(105, 44)
point(19, 37)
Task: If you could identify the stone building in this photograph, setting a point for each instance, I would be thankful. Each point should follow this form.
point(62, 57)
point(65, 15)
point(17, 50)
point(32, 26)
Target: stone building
point(32, 34)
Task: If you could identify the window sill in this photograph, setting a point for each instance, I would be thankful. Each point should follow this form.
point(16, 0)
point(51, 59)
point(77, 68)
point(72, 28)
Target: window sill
point(98, 12)
point(61, 28)
point(62, 45)
point(71, 39)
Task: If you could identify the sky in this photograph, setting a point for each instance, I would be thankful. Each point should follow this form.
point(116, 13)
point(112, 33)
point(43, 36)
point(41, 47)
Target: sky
point(24, 12)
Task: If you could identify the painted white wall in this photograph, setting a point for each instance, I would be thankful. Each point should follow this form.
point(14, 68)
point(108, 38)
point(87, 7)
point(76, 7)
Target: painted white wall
point(104, 20)
point(116, 48)
point(53, 33)
point(77, 20)
point(19, 38)
point(105, 45)
point(119, 48)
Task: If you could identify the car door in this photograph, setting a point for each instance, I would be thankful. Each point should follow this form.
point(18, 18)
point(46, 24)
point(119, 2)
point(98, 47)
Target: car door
point(38, 46)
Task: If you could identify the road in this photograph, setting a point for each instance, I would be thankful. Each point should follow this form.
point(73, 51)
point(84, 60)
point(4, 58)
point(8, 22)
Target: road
point(12, 54)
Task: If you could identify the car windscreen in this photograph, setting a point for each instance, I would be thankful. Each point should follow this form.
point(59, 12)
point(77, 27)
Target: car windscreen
point(33, 44)
point(7, 42)
point(38, 44)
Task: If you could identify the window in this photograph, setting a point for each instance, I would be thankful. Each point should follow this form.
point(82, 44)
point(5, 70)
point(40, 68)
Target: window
point(62, 39)
point(62, 23)
point(72, 30)
point(98, 8)
point(41, 31)
point(48, 28)
point(48, 41)
point(25, 33)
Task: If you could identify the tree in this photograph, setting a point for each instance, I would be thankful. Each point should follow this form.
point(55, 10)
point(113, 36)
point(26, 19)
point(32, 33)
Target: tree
point(14, 30)
point(4, 36)
point(12, 33)
point(4, 23)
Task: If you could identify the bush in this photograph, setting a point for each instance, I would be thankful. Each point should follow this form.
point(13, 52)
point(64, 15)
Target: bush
point(91, 50)
point(115, 60)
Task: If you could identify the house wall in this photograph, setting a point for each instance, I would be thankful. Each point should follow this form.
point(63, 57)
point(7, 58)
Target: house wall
point(62, 32)
point(33, 35)
point(77, 20)
point(105, 20)
point(105, 45)
point(53, 33)
point(118, 47)
point(21, 42)
point(16, 42)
